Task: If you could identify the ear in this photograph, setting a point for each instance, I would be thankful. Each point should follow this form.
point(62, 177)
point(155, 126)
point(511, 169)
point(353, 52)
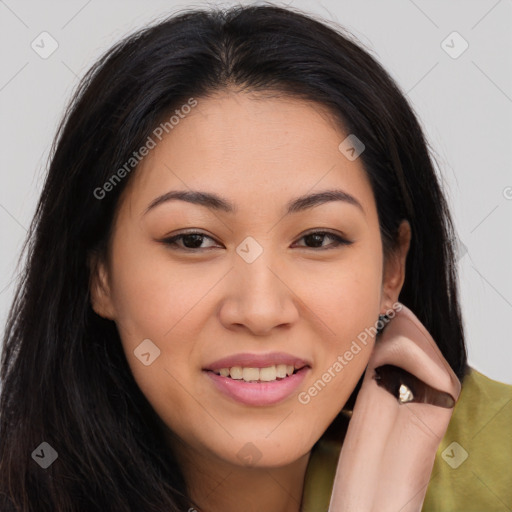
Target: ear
point(99, 286)
point(394, 268)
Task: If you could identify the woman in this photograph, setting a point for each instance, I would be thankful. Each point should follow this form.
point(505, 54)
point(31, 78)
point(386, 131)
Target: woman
point(145, 371)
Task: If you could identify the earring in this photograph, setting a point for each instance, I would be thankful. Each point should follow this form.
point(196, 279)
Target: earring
point(383, 320)
point(405, 394)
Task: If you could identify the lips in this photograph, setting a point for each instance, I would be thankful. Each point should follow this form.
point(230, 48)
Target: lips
point(247, 360)
point(260, 394)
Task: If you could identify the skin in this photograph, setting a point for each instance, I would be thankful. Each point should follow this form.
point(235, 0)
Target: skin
point(259, 153)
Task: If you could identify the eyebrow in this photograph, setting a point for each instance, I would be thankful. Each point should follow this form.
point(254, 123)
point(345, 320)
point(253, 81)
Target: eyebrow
point(213, 201)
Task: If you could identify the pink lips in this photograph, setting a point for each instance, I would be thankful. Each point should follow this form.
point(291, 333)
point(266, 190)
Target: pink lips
point(258, 393)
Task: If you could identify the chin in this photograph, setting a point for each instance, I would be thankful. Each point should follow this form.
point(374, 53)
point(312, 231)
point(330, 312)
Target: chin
point(265, 452)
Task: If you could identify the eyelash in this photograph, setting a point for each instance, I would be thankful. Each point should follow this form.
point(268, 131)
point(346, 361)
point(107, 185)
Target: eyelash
point(339, 241)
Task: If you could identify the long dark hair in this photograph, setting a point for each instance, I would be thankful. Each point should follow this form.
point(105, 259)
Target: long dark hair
point(64, 375)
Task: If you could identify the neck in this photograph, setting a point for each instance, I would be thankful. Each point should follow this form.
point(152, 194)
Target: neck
point(218, 486)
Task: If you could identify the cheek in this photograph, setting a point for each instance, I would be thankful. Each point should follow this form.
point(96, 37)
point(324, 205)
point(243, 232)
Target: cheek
point(348, 302)
point(149, 294)
point(153, 302)
point(346, 295)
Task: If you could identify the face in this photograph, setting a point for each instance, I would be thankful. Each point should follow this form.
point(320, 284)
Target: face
point(262, 284)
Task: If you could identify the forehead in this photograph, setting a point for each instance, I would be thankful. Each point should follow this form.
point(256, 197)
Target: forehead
point(251, 147)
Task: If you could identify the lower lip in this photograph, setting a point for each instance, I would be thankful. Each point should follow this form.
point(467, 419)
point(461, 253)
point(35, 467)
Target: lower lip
point(258, 393)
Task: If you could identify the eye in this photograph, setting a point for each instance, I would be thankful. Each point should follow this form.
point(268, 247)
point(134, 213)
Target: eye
point(192, 241)
point(316, 237)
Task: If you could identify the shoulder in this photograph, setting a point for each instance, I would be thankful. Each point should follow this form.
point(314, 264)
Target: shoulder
point(472, 469)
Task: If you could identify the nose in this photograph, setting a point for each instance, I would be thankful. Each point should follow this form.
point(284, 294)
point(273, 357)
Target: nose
point(258, 297)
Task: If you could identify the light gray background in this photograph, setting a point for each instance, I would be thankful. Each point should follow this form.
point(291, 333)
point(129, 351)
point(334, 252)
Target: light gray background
point(464, 104)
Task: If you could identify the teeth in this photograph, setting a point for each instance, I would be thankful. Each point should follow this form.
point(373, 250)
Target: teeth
point(249, 374)
point(281, 370)
point(268, 374)
point(236, 372)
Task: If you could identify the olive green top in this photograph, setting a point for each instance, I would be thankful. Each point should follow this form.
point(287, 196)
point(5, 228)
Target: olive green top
point(473, 466)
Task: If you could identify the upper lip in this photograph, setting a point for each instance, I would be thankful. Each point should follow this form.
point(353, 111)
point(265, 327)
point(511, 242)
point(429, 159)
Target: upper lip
point(248, 360)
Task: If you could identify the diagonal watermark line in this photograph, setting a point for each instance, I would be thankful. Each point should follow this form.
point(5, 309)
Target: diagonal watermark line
point(492, 417)
point(428, 72)
point(425, 14)
point(194, 398)
point(282, 487)
point(13, 278)
point(12, 216)
point(485, 15)
point(484, 218)
point(421, 421)
point(333, 333)
point(483, 277)
point(75, 15)
point(198, 301)
point(332, 167)
point(6, 287)
point(218, 484)
point(70, 70)
point(492, 81)
point(14, 76)
point(491, 491)
point(273, 430)
point(13, 13)
point(418, 492)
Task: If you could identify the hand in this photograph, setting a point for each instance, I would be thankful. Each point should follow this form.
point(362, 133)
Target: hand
point(400, 416)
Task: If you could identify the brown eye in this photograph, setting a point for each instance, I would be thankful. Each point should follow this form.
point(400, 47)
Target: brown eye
point(316, 238)
point(190, 241)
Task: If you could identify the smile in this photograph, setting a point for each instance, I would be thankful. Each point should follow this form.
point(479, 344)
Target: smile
point(258, 386)
point(267, 374)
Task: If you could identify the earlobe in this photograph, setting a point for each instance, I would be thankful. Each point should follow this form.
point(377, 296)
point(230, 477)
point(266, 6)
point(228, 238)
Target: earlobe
point(99, 287)
point(394, 270)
